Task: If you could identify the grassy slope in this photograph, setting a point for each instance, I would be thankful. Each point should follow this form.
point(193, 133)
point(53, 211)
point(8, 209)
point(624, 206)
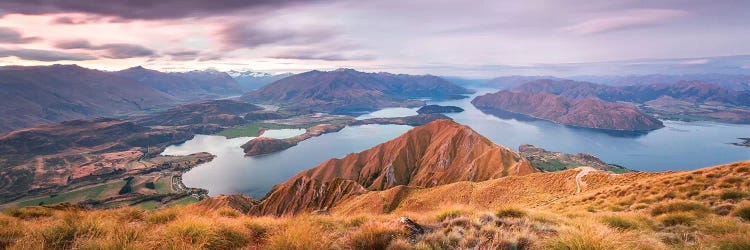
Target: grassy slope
point(703, 209)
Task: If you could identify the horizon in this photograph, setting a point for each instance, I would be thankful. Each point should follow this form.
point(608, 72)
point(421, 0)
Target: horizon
point(487, 39)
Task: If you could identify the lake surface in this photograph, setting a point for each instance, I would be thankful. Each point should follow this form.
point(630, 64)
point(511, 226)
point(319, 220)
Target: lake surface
point(678, 146)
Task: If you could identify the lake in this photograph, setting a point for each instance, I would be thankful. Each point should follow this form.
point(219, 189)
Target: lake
point(678, 146)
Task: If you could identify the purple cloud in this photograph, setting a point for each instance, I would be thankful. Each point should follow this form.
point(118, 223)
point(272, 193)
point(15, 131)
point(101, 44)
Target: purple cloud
point(321, 55)
point(112, 50)
point(240, 35)
point(625, 20)
point(138, 9)
point(9, 35)
point(44, 55)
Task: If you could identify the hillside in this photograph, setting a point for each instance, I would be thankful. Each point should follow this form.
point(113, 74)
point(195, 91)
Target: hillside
point(573, 209)
point(682, 100)
point(46, 94)
point(587, 113)
point(188, 86)
point(347, 90)
point(435, 154)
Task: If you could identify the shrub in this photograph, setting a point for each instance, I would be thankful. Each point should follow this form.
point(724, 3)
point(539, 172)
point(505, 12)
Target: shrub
point(677, 218)
point(743, 213)
point(510, 212)
point(161, 217)
point(372, 236)
point(732, 195)
point(679, 206)
point(150, 185)
point(29, 212)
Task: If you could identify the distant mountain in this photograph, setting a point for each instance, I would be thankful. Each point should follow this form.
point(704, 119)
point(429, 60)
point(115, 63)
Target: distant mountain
point(438, 153)
point(732, 82)
point(193, 85)
point(346, 90)
point(250, 80)
point(509, 82)
point(47, 94)
point(587, 113)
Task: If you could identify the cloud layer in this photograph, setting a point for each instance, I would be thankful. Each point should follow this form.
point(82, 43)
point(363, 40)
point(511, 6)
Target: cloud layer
point(469, 38)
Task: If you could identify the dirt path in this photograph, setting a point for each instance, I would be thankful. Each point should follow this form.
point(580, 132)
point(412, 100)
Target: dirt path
point(579, 182)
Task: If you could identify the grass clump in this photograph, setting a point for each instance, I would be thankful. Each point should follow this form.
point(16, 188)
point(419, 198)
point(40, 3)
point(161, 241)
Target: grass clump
point(510, 212)
point(228, 212)
point(679, 206)
point(10, 230)
point(304, 234)
point(619, 222)
point(372, 236)
point(161, 217)
point(732, 195)
point(677, 218)
point(29, 212)
point(734, 242)
point(743, 213)
point(224, 237)
point(449, 214)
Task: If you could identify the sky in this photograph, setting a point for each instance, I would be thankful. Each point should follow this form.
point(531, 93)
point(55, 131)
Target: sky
point(458, 38)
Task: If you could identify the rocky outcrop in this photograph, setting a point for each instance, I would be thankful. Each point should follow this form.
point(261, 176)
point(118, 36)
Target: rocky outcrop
point(264, 145)
point(555, 161)
point(587, 113)
point(437, 153)
point(437, 109)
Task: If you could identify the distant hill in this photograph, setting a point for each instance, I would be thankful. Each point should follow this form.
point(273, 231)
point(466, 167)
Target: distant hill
point(728, 81)
point(192, 85)
point(250, 80)
point(587, 113)
point(683, 100)
point(47, 94)
point(346, 90)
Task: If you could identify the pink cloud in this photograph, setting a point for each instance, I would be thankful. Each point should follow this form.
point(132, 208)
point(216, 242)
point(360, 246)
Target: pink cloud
point(625, 20)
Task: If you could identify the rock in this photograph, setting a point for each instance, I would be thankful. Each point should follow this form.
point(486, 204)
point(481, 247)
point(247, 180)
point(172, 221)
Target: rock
point(413, 228)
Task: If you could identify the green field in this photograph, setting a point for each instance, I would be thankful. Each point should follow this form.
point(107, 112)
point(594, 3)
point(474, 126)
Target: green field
point(252, 129)
point(88, 193)
point(184, 201)
point(149, 205)
point(164, 185)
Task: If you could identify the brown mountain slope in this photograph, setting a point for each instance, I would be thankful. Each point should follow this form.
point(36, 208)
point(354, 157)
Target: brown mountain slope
point(437, 153)
point(569, 190)
point(587, 113)
point(48, 94)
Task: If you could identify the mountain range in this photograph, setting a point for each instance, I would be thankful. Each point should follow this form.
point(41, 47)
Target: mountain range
point(348, 90)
